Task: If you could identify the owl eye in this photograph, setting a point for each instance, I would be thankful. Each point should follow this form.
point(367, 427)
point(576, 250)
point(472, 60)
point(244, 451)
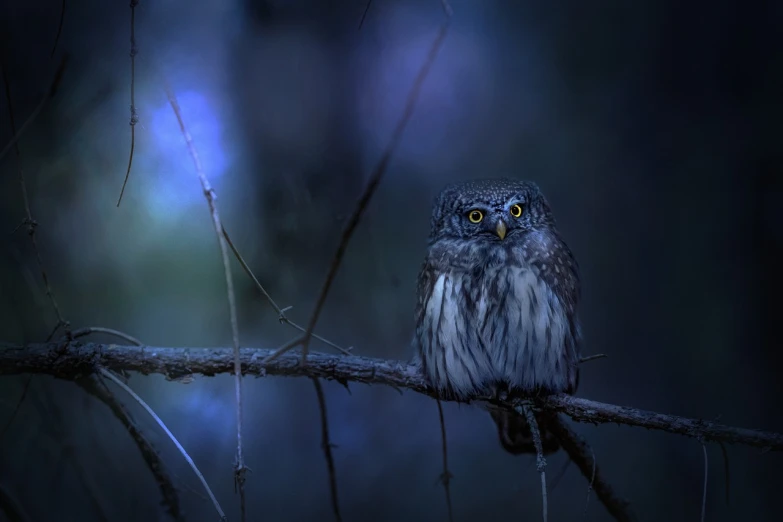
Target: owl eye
point(475, 216)
point(516, 210)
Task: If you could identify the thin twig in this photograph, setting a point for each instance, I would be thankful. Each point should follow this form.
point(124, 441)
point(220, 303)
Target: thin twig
point(240, 470)
point(589, 486)
point(592, 357)
point(81, 332)
point(18, 406)
point(326, 445)
point(280, 311)
point(58, 75)
point(57, 327)
point(134, 116)
point(31, 223)
point(372, 185)
point(446, 476)
point(725, 468)
point(364, 14)
point(560, 474)
point(116, 380)
point(540, 459)
point(98, 389)
point(59, 30)
point(31, 229)
point(706, 473)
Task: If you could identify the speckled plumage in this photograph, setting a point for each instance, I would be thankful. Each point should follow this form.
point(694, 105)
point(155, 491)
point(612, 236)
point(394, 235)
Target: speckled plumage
point(497, 313)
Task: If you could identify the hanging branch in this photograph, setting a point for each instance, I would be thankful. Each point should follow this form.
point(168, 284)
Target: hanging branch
point(31, 223)
point(326, 446)
point(134, 116)
point(240, 470)
point(446, 476)
point(527, 411)
point(95, 387)
point(58, 76)
point(59, 30)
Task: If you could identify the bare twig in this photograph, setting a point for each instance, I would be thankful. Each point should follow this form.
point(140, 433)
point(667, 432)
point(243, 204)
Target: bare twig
point(68, 362)
point(31, 228)
point(11, 507)
point(240, 470)
point(446, 476)
point(134, 116)
point(81, 332)
point(31, 223)
point(589, 486)
point(725, 469)
point(58, 75)
point(364, 14)
point(560, 474)
point(369, 191)
point(59, 30)
point(592, 357)
point(97, 388)
point(280, 311)
point(706, 473)
point(18, 406)
point(326, 445)
point(527, 411)
point(109, 375)
point(57, 327)
point(582, 455)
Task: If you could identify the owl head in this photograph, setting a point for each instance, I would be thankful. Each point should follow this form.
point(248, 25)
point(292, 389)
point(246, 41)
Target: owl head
point(491, 210)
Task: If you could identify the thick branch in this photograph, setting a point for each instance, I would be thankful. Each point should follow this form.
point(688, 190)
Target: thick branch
point(76, 359)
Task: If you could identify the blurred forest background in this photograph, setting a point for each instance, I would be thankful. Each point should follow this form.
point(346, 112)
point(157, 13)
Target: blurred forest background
point(654, 128)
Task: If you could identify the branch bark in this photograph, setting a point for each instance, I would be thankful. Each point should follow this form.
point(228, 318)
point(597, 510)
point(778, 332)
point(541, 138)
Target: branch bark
point(69, 361)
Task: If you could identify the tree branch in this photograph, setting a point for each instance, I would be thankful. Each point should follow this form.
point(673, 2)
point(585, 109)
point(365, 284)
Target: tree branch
point(527, 410)
point(95, 387)
point(68, 361)
point(240, 470)
point(582, 455)
point(134, 115)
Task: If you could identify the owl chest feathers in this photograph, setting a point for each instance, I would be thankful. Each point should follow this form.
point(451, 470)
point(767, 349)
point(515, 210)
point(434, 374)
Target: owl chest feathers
point(496, 326)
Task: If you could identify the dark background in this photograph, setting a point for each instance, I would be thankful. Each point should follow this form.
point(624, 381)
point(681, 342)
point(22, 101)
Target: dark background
point(654, 128)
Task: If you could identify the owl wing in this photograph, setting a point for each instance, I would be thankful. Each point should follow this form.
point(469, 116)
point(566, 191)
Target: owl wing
point(557, 267)
point(424, 287)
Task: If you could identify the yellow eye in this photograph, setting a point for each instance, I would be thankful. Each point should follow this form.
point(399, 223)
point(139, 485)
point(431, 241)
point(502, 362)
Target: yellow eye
point(516, 211)
point(475, 216)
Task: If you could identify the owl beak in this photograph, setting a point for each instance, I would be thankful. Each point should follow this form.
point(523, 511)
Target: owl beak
point(500, 229)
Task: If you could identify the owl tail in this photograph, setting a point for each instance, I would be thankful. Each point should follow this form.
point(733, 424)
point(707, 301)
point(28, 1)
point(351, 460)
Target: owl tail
point(514, 432)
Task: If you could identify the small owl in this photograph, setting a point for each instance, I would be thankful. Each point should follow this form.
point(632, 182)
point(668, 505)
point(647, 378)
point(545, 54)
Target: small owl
point(497, 298)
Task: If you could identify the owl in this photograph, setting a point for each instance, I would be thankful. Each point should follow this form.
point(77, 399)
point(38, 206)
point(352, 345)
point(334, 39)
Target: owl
point(497, 301)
